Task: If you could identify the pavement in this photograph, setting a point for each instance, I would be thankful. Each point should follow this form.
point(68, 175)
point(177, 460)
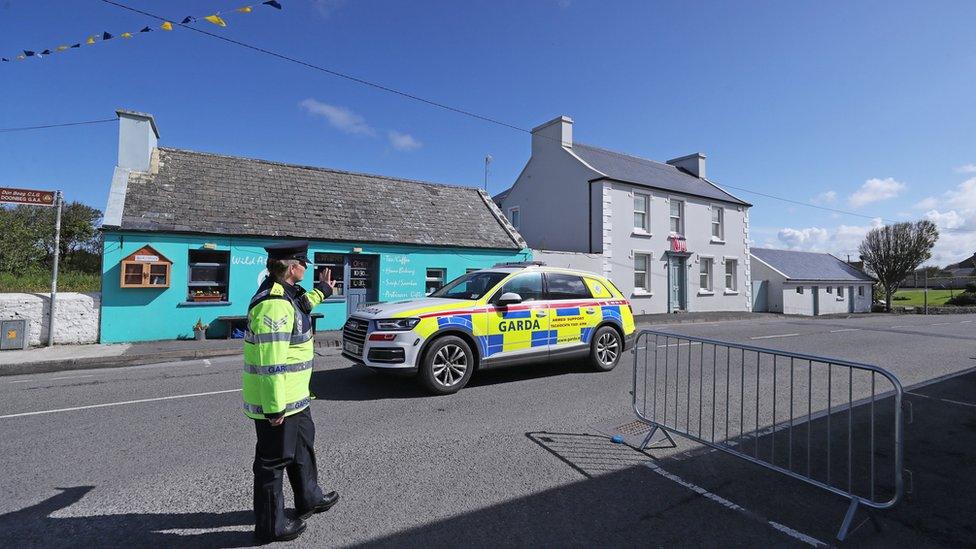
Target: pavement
point(159, 454)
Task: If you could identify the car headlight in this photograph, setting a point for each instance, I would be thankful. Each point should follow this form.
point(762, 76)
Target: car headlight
point(397, 323)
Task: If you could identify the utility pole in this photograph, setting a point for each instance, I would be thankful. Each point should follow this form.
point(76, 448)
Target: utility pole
point(59, 200)
point(926, 291)
point(488, 160)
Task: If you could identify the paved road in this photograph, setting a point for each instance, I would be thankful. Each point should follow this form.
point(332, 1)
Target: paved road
point(514, 459)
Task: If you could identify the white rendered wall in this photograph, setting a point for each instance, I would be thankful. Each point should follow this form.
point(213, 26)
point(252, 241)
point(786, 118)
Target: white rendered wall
point(75, 320)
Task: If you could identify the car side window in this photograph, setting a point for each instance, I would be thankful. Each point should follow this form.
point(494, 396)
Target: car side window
point(526, 285)
point(564, 286)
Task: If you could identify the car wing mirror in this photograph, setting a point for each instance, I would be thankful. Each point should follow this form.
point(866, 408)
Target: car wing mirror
point(509, 298)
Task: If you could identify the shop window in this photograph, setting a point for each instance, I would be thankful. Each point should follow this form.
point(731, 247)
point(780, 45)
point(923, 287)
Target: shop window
point(145, 268)
point(337, 263)
point(435, 279)
point(208, 275)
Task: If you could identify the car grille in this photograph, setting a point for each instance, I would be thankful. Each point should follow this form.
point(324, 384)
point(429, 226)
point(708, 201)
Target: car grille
point(355, 331)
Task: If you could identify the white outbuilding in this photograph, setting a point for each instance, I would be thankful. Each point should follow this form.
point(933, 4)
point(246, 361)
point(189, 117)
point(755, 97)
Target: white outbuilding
point(806, 283)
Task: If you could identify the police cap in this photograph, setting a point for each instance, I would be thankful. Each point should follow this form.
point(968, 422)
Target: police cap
point(289, 250)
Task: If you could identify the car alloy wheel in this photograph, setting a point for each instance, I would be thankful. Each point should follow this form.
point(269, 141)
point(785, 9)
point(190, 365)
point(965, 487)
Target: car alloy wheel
point(450, 364)
point(607, 348)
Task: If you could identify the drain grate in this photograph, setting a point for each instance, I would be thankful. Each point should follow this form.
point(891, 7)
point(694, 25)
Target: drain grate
point(632, 428)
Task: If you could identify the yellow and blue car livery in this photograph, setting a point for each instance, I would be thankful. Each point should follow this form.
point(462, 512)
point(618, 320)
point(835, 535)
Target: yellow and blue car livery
point(549, 313)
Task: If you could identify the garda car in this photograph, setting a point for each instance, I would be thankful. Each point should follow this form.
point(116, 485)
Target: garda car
point(510, 314)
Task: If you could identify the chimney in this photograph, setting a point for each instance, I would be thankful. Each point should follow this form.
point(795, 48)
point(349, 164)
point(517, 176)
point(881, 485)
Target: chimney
point(137, 139)
point(693, 163)
point(556, 132)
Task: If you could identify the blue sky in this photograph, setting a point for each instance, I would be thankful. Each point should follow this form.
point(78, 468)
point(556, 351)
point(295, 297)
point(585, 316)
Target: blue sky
point(859, 106)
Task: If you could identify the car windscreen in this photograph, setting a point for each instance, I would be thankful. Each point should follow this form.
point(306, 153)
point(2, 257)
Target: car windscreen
point(470, 286)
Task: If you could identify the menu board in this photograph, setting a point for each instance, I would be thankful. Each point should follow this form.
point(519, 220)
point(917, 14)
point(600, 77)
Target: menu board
point(360, 275)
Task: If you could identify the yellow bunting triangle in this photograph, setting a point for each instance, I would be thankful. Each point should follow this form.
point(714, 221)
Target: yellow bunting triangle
point(216, 20)
point(126, 35)
point(166, 26)
point(90, 41)
point(61, 48)
point(245, 9)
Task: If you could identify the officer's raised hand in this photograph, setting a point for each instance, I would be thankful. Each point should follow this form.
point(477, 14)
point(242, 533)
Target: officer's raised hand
point(325, 278)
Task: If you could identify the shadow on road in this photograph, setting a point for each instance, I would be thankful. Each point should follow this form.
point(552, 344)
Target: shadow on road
point(35, 526)
point(358, 383)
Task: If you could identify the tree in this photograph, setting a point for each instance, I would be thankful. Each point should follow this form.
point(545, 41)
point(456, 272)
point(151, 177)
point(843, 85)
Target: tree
point(28, 237)
point(892, 252)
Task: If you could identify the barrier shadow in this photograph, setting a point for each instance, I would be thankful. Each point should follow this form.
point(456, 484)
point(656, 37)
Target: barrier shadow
point(34, 526)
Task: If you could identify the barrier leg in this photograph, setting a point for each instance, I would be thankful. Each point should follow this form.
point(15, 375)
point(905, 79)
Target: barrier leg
point(842, 533)
point(647, 439)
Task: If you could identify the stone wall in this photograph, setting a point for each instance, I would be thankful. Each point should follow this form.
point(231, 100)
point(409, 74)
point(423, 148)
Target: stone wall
point(75, 320)
point(949, 310)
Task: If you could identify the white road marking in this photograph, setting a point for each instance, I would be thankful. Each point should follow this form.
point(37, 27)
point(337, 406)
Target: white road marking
point(69, 377)
point(965, 321)
point(903, 326)
point(946, 400)
point(942, 324)
point(774, 335)
point(72, 409)
point(21, 381)
point(206, 363)
point(846, 330)
point(799, 536)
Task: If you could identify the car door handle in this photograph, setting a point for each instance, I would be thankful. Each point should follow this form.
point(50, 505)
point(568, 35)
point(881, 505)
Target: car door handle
point(541, 312)
point(590, 310)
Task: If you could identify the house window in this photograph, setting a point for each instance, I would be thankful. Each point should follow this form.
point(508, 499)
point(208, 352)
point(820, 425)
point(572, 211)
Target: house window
point(208, 278)
point(705, 273)
point(718, 223)
point(435, 279)
point(730, 269)
point(642, 270)
point(514, 216)
point(336, 263)
point(677, 216)
point(840, 291)
point(830, 290)
point(860, 291)
point(799, 289)
point(642, 209)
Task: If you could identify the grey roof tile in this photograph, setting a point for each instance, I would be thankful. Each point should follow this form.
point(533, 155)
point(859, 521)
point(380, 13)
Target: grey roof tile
point(809, 265)
point(634, 169)
point(213, 194)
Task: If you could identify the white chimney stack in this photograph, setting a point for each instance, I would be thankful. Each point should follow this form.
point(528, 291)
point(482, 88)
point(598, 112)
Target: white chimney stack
point(554, 133)
point(693, 163)
point(138, 137)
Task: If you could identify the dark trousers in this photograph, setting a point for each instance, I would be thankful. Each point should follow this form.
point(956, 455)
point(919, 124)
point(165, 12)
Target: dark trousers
point(287, 447)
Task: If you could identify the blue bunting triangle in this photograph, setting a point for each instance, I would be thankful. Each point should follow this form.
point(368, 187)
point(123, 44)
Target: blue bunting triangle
point(273, 3)
point(46, 52)
point(187, 19)
point(106, 36)
point(29, 53)
point(76, 46)
point(146, 29)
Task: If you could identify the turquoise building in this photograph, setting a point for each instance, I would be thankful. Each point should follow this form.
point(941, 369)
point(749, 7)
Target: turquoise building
point(184, 236)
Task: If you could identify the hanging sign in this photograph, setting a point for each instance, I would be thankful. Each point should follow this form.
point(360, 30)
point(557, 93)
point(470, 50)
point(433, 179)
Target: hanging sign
point(26, 196)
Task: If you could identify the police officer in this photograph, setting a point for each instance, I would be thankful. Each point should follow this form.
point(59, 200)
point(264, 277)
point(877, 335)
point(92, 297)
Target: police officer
point(278, 356)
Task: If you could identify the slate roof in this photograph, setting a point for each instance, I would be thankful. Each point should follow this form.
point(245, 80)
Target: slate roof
point(809, 266)
point(969, 263)
point(633, 169)
point(194, 192)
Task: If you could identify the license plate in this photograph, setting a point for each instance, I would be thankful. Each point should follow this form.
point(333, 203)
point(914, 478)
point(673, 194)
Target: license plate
point(351, 347)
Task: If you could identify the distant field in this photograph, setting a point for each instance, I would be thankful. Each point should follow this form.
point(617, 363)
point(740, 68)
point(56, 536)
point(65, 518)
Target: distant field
point(916, 298)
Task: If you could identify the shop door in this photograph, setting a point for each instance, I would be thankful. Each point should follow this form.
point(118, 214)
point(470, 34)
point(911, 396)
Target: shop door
point(361, 288)
point(676, 279)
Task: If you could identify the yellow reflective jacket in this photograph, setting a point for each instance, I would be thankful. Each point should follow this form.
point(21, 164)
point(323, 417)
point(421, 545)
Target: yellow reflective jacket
point(278, 350)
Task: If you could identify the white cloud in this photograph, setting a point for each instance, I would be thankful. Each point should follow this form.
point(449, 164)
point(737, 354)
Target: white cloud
point(828, 197)
point(964, 195)
point(327, 7)
point(338, 117)
point(840, 241)
point(946, 220)
point(874, 190)
point(926, 203)
point(403, 141)
point(803, 239)
point(966, 168)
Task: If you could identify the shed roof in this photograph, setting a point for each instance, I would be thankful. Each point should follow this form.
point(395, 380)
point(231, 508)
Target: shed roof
point(809, 266)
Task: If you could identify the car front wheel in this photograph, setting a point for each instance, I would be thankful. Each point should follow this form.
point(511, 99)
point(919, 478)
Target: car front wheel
point(447, 365)
point(606, 349)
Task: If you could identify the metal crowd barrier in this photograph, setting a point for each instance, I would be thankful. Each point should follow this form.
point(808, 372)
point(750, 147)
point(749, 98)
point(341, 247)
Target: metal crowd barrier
point(832, 423)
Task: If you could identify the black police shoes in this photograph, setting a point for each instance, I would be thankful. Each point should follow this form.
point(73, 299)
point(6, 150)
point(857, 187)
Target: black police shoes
point(292, 530)
point(327, 502)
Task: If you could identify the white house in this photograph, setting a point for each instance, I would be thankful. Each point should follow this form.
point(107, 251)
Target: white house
point(806, 283)
point(670, 239)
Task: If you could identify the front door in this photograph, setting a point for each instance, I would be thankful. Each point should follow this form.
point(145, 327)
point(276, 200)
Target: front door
point(676, 279)
point(520, 329)
point(816, 300)
point(361, 287)
point(850, 299)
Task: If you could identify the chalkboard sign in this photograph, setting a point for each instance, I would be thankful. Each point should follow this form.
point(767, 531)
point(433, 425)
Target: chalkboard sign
point(359, 283)
point(359, 263)
point(360, 273)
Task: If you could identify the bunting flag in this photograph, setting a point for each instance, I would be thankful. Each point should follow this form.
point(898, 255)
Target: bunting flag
point(218, 19)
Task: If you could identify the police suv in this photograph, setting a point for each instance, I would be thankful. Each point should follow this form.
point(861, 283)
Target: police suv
point(510, 314)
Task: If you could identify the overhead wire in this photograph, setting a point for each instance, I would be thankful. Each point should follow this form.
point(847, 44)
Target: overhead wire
point(61, 125)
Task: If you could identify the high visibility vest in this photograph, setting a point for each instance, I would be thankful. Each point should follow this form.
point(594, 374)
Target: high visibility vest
point(278, 352)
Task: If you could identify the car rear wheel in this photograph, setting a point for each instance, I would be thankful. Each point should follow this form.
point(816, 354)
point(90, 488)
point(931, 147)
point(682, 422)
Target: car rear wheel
point(606, 349)
point(447, 365)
